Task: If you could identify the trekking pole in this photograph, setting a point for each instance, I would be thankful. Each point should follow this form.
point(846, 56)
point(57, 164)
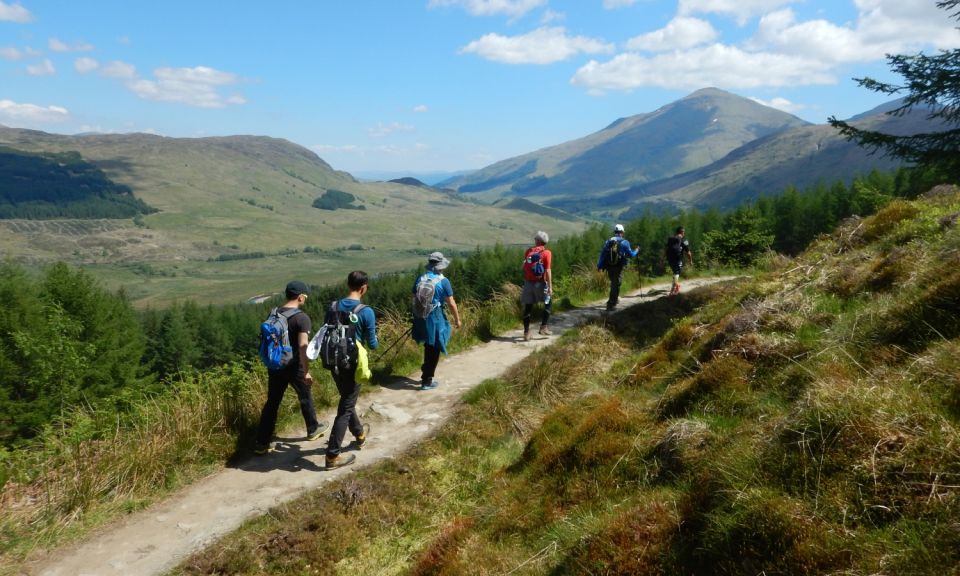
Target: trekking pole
point(395, 342)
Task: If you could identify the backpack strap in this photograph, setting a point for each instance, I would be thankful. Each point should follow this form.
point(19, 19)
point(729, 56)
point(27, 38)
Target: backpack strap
point(289, 313)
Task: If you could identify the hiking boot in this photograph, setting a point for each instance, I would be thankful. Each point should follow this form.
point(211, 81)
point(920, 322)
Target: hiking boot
point(311, 436)
point(262, 450)
point(340, 460)
point(545, 331)
point(526, 335)
point(362, 438)
point(429, 385)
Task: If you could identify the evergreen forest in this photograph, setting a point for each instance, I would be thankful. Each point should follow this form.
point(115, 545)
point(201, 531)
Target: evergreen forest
point(61, 185)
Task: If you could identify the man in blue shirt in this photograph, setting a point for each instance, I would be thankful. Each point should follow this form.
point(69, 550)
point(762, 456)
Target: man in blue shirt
point(346, 380)
point(433, 331)
point(613, 258)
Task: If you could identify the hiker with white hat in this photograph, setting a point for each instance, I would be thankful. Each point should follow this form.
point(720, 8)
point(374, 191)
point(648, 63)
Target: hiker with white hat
point(432, 294)
point(613, 258)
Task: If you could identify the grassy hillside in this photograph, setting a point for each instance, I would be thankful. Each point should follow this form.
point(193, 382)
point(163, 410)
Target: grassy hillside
point(803, 422)
point(220, 199)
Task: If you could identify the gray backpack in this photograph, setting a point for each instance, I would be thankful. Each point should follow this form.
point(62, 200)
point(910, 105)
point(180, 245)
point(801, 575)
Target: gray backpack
point(423, 303)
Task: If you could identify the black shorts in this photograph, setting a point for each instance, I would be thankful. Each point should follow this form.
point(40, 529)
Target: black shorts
point(676, 266)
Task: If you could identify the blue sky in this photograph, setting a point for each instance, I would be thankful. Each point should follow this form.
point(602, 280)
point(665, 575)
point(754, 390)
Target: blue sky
point(436, 85)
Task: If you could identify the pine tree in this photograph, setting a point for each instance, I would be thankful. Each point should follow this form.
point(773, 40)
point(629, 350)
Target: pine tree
point(930, 81)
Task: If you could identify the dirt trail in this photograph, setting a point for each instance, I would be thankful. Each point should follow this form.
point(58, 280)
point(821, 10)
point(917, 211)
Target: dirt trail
point(156, 539)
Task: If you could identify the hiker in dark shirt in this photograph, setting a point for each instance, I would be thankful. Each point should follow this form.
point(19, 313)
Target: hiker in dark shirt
point(677, 246)
point(295, 374)
point(614, 256)
point(346, 380)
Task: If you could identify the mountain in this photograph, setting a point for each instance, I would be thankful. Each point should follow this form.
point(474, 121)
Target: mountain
point(799, 157)
point(711, 148)
point(690, 133)
point(235, 218)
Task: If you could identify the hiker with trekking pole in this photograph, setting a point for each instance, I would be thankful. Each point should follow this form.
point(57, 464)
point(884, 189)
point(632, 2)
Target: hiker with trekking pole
point(432, 295)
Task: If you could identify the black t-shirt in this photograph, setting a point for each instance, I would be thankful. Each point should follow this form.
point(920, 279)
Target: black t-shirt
point(297, 324)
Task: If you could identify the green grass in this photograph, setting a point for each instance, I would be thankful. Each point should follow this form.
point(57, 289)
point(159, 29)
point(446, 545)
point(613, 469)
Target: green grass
point(777, 426)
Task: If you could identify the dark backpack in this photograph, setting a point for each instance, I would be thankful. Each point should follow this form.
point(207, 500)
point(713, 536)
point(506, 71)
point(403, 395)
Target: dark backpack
point(534, 263)
point(423, 303)
point(614, 258)
point(338, 339)
point(674, 249)
point(275, 350)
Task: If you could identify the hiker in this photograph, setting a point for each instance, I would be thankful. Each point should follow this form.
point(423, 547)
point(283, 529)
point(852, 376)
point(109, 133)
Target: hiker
point(432, 293)
point(676, 246)
point(613, 258)
point(350, 310)
point(295, 373)
point(537, 283)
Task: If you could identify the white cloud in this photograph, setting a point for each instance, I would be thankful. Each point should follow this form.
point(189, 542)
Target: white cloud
point(512, 8)
point(679, 34)
point(120, 70)
point(14, 13)
point(56, 45)
point(420, 108)
point(614, 4)
point(542, 46)
point(84, 65)
point(10, 53)
point(717, 65)
point(382, 129)
point(742, 10)
point(781, 104)
point(552, 16)
point(30, 115)
point(196, 86)
point(44, 68)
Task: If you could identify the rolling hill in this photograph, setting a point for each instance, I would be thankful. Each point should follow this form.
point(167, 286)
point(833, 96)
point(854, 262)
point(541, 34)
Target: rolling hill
point(235, 218)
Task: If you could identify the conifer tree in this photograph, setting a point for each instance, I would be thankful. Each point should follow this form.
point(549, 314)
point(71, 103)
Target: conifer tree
point(929, 81)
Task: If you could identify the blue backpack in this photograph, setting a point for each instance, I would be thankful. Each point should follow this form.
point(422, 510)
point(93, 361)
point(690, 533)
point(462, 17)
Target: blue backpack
point(275, 350)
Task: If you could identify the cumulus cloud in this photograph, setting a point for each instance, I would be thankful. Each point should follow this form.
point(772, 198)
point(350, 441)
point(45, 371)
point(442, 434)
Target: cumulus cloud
point(716, 65)
point(43, 68)
point(742, 10)
point(512, 8)
point(196, 86)
point(542, 46)
point(421, 108)
point(679, 34)
point(120, 70)
point(199, 86)
point(84, 65)
point(30, 115)
point(56, 45)
point(10, 53)
point(781, 104)
point(14, 13)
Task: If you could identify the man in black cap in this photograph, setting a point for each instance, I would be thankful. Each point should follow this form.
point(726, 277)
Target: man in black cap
point(296, 373)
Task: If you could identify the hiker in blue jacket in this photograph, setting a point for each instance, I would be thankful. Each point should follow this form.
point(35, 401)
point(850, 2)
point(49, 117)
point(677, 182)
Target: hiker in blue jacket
point(346, 380)
point(433, 331)
point(614, 256)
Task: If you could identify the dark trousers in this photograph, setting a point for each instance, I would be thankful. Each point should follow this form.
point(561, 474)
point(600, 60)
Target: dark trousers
point(528, 313)
point(431, 357)
point(277, 383)
point(349, 389)
point(616, 278)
